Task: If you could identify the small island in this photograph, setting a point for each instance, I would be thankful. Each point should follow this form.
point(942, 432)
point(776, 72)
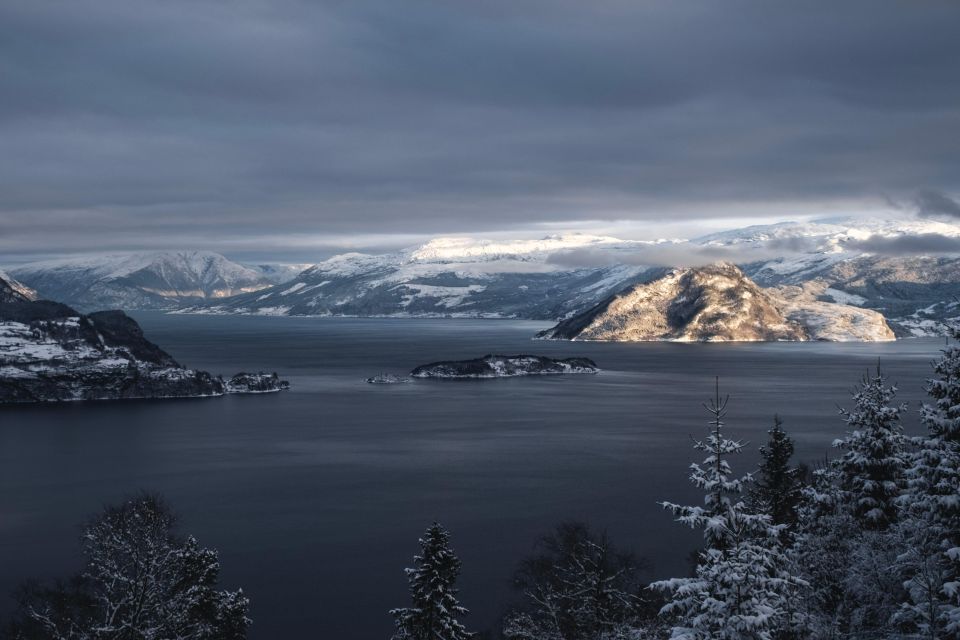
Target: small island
point(498, 366)
point(255, 383)
point(387, 378)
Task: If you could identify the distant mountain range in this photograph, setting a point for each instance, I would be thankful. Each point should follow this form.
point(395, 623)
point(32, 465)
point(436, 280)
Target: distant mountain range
point(447, 277)
point(156, 280)
point(874, 264)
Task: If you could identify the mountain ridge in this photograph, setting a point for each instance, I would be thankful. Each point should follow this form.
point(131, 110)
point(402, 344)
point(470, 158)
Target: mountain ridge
point(152, 280)
point(559, 275)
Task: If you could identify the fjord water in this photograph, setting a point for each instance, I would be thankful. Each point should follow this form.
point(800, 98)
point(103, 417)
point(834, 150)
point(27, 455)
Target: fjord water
point(315, 497)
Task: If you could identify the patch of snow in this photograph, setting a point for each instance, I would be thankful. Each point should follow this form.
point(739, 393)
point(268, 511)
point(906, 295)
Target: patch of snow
point(842, 297)
point(272, 311)
point(448, 296)
point(293, 289)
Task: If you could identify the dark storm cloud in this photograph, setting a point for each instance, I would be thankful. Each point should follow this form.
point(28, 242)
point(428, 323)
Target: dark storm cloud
point(919, 244)
point(935, 203)
point(133, 123)
point(685, 254)
point(692, 254)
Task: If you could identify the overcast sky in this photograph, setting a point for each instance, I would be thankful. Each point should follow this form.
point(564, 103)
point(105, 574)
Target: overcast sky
point(290, 129)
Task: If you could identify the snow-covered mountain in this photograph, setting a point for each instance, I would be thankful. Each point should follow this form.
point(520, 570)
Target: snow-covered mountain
point(158, 280)
point(718, 303)
point(457, 277)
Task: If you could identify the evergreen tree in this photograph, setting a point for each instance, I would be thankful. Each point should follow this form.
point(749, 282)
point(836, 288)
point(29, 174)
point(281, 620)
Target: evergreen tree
point(871, 470)
point(776, 489)
point(845, 548)
point(823, 551)
point(930, 564)
point(435, 611)
point(743, 589)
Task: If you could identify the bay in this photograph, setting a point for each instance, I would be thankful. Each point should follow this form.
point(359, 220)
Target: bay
point(315, 497)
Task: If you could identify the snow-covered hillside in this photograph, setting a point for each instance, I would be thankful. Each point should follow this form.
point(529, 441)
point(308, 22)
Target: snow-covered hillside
point(50, 352)
point(158, 280)
point(13, 291)
point(718, 303)
point(456, 277)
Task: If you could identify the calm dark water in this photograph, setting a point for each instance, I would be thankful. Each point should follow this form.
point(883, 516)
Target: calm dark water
point(315, 498)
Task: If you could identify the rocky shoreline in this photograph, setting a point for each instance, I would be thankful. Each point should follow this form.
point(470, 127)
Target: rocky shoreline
point(49, 352)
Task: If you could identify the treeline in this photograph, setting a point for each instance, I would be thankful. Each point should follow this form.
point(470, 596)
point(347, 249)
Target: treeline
point(865, 546)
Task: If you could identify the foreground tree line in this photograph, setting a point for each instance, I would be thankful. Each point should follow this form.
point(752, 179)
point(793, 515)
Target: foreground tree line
point(140, 581)
point(866, 546)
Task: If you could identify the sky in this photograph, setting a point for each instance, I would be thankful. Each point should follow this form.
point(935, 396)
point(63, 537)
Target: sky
point(289, 130)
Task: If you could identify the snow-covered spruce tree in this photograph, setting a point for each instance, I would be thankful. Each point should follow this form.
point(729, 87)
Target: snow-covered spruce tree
point(822, 552)
point(435, 611)
point(871, 470)
point(776, 488)
point(742, 589)
point(930, 561)
point(844, 548)
point(141, 581)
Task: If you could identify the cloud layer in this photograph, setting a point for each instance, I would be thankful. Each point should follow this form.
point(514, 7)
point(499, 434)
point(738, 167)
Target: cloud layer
point(133, 123)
